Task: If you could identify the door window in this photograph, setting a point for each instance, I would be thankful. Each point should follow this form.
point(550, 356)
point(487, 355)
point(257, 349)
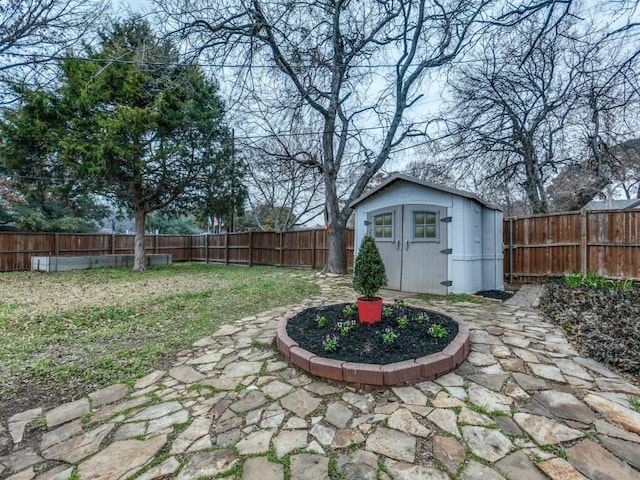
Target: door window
point(425, 226)
point(383, 226)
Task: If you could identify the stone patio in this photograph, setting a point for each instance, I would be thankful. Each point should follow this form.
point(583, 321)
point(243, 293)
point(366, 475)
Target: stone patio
point(524, 405)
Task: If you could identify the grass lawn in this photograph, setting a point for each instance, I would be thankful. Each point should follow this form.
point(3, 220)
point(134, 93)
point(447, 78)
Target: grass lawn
point(63, 335)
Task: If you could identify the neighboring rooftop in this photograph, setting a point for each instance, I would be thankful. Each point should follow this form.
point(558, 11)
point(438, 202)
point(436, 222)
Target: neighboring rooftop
point(613, 204)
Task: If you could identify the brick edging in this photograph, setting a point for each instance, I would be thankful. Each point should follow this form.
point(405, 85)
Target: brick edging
point(366, 374)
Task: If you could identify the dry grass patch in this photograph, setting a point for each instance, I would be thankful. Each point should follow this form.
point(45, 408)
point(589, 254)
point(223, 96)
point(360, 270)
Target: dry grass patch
point(64, 335)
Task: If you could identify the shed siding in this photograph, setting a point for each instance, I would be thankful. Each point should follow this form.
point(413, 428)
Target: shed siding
point(467, 255)
point(493, 258)
point(399, 194)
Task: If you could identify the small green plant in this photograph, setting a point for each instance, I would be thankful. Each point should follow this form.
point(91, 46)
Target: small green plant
point(439, 464)
point(399, 307)
point(573, 280)
point(387, 311)
point(555, 450)
point(352, 447)
point(349, 310)
point(477, 408)
point(321, 321)
point(438, 331)
point(635, 403)
point(42, 422)
point(331, 342)
point(345, 326)
point(389, 336)
point(402, 321)
point(422, 318)
point(625, 285)
point(369, 274)
point(592, 280)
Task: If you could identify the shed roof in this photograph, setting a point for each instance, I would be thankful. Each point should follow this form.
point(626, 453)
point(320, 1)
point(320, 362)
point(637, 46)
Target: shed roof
point(400, 177)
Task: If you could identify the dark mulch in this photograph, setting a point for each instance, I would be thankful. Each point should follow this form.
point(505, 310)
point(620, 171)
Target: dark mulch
point(496, 294)
point(603, 323)
point(364, 343)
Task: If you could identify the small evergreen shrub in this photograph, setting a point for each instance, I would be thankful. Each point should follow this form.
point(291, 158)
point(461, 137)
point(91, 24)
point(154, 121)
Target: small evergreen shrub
point(369, 274)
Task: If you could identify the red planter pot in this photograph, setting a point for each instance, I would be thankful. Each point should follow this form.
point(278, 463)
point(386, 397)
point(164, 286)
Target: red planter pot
point(370, 311)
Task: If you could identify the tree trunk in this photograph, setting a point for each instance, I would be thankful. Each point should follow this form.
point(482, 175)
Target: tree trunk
point(138, 258)
point(602, 162)
point(337, 258)
point(533, 181)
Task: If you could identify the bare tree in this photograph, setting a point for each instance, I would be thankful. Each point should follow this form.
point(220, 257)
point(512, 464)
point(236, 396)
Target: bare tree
point(581, 181)
point(33, 32)
point(510, 108)
point(604, 118)
point(607, 96)
point(353, 68)
point(627, 176)
point(281, 185)
point(437, 172)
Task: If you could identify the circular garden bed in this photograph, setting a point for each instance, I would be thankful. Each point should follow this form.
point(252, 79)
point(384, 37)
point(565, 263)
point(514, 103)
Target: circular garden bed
point(408, 345)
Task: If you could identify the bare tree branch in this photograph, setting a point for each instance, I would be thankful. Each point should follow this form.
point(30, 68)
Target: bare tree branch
point(33, 32)
point(343, 66)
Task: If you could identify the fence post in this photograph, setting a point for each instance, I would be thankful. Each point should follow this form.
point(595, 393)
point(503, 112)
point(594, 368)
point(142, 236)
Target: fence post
point(113, 243)
point(226, 248)
point(281, 247)
point(583, 241)
point(511, 249)
point(155, 243)
point(250, 248)
point(206, 248)
point(325, 248)
point(313, 250)
point(57, 243)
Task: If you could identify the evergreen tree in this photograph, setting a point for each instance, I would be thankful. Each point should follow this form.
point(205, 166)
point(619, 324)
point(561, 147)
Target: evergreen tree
point(135, 123)
point(146, 127)
point(39, 192)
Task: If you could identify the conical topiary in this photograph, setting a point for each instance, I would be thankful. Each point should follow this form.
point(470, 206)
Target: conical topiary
point(368, 272)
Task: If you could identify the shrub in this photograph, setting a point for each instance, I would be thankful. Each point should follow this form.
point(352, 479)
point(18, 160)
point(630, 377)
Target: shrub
point(368, 272)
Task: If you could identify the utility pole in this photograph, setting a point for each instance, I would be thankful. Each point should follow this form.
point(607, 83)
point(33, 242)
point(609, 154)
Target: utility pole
point(232, 227)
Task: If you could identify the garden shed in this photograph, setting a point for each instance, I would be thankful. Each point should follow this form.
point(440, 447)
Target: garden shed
point(432, 238)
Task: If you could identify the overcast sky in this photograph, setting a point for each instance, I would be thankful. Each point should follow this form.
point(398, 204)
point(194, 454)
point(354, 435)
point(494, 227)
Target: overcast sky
point(135, 5)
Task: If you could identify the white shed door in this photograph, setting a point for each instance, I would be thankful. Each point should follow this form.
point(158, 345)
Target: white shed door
point(412, 240)
point(386, 229)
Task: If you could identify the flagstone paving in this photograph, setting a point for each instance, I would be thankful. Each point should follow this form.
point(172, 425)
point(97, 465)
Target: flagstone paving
point(523, 405)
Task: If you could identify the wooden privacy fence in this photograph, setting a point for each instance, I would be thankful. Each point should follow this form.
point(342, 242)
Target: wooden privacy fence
point(304, 248)
point(606, 242)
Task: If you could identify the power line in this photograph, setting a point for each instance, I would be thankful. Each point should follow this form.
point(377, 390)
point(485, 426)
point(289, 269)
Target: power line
point(11, 176)
point(238, 65)
point(267, 136)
